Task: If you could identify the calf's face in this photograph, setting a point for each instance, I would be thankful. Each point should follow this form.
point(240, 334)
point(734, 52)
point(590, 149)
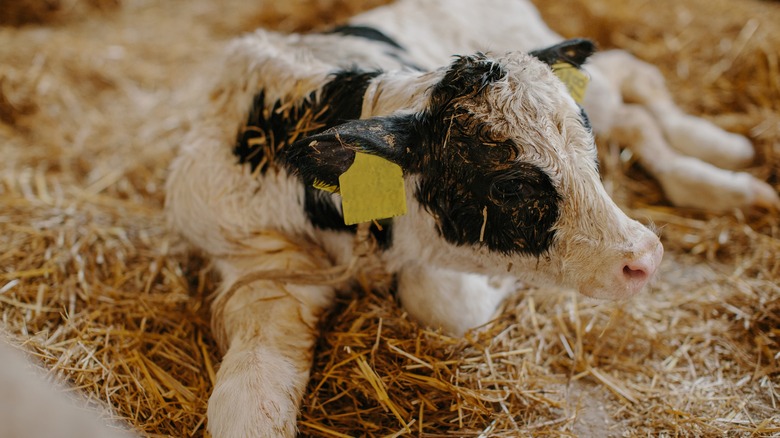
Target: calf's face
point(502, 164)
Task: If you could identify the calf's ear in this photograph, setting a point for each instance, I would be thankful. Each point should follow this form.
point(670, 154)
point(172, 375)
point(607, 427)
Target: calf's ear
point(574, 51)
point(321, 158)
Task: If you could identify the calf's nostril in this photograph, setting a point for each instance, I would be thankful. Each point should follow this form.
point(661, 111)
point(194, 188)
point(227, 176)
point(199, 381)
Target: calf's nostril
point(635, 273)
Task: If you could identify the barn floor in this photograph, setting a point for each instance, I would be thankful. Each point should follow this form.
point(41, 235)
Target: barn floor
point(95, 95)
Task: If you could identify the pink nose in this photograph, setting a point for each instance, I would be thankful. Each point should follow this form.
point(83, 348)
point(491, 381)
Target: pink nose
point(638, 271)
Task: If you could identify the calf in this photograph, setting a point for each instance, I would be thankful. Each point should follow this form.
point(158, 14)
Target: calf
point(491, 157)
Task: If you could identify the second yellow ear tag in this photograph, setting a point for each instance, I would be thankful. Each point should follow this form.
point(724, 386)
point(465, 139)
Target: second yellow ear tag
point(575, 79)
point(372, 189)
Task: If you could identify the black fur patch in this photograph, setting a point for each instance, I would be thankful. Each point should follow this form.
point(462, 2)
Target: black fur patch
point(270, 129)
point(269, 132)
point(396, 51)
point(586, 123)
point(366, 32)
point(471, 181)
point(585, 119)
point(574, 51)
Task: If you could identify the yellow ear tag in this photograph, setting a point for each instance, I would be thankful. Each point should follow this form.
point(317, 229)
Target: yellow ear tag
point(575, 79)
point(372, 189)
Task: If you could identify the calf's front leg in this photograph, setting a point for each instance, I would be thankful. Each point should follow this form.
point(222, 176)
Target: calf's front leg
point(451, 300)
point(268, 328)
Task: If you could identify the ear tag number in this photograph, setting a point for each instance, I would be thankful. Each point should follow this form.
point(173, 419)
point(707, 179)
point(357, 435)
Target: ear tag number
point(575, 79)
point(372, 189)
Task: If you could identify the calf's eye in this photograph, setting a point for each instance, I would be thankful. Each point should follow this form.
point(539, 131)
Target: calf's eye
point(505, 190)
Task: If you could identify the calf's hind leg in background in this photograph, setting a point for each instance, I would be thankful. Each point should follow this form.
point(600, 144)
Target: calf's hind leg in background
point(679, 150)
point(268, 330)
point(642, 83)
point(687, 181)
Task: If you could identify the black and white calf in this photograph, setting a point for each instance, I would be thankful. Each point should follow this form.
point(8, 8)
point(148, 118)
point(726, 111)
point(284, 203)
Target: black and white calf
point(498, 165)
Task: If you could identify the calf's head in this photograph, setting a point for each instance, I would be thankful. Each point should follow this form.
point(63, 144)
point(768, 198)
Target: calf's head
point(502, 174)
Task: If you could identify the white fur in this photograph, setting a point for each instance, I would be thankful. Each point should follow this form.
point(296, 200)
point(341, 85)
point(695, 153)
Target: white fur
point(268, 329)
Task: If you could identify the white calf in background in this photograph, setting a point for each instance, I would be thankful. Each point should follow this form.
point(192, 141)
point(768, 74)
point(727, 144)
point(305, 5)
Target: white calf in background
point(498, 165)
point(31, 407)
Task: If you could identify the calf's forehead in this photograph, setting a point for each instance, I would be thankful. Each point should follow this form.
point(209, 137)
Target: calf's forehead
point(516, 98)
point(533, 104)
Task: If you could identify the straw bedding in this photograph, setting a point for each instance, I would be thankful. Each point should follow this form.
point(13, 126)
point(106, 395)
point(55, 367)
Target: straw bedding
point(94, 96)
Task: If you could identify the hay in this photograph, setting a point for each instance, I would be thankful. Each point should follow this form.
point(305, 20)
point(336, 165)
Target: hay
point(93, 103)
point(22, 12)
